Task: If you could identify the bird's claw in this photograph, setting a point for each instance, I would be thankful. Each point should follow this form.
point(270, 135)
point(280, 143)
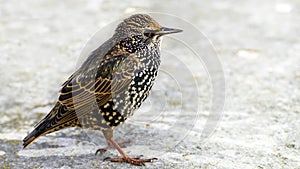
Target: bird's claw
point(101, 151)
point(134, 161)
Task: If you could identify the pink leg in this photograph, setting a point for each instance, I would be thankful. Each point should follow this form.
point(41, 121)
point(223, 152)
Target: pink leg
point(125, 158)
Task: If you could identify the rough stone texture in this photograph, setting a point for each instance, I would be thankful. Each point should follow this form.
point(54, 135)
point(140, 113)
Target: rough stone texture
point(257, 42)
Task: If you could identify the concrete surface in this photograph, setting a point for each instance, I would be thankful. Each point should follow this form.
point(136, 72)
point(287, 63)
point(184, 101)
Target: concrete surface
point(257, 42)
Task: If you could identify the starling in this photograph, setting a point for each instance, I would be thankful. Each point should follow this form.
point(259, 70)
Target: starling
point(110, 84)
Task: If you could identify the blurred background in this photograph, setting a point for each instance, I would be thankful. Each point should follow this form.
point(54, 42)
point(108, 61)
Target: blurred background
point(258, 46)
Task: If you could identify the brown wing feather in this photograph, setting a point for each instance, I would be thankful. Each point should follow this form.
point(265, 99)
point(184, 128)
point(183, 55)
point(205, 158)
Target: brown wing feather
point(84, 91)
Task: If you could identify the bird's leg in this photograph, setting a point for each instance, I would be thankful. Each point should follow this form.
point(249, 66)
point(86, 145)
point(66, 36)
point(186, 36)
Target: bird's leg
point(108, 134)
point(109, 146)
point(104, 149)
point(125, 158)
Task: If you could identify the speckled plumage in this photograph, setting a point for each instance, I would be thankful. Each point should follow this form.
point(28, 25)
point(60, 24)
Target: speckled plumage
point(113, 82)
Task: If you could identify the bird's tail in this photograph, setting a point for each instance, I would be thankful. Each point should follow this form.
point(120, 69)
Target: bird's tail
point(41, 129)
point(31, 137)
point(45, 126)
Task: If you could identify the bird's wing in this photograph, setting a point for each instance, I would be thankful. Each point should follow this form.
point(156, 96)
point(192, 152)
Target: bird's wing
point(85, 90)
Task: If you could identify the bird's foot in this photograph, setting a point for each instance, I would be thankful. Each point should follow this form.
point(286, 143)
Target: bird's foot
point(134, 161)
point(122, 144)
point(102, 150)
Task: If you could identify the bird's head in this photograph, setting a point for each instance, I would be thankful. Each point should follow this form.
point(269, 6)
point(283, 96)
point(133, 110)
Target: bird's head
point(142, 24)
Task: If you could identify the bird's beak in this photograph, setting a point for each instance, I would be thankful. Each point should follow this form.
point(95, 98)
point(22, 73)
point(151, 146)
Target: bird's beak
point(165, 31)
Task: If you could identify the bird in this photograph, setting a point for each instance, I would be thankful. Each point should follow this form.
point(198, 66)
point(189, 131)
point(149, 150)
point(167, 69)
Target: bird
point(110, 84)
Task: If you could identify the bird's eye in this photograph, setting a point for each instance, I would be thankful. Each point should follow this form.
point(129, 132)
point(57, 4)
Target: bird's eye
point(149, 34)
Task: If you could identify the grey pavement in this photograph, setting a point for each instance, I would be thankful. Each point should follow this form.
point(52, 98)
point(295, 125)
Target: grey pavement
point(257, 43)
